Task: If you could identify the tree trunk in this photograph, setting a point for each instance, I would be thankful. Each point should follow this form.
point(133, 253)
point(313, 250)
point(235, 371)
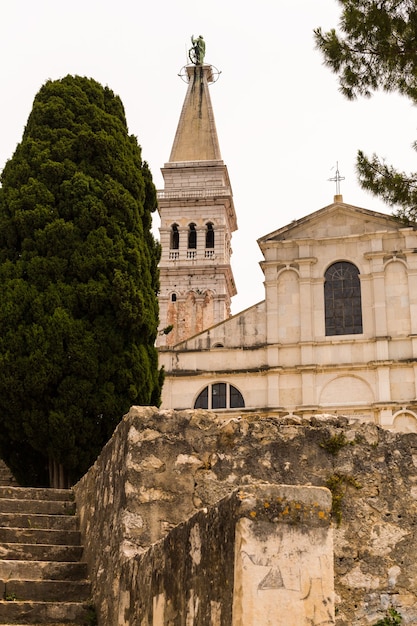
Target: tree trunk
point(58, 477)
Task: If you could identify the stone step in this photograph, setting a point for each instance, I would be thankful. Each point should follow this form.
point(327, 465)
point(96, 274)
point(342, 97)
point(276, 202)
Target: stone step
point(6, 480)
point(45, 613)
point(45, 590)
point(40, 552)
point(42, 570)
point(42, 579)
point(40, 536)
point(35, 493)
point(35, 521)
point(41, 507)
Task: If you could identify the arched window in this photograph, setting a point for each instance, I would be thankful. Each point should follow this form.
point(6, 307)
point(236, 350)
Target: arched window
point(175, 237)
point(192, 237)
point(209, 235)
point(342, 299)
point(173, 297)
point(219, 396)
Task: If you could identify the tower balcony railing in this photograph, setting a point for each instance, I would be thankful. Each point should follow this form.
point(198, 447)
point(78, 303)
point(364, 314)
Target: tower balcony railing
point(210, 192)
point(177, 255)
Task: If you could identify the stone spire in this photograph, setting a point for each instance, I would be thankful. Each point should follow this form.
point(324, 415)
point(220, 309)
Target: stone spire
point(196, 136)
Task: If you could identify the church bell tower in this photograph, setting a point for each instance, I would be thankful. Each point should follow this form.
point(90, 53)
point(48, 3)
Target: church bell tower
point(197, 218)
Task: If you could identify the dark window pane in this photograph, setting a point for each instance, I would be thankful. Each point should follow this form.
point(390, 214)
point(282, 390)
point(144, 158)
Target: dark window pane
point(209, 236)
point(342, 299)
point(175, 237)
point(202, 400)
point(218, 396)
point(192, 237)
point(236, 398)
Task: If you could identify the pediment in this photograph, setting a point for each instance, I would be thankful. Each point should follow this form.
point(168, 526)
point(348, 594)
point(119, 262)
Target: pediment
point(336, 220)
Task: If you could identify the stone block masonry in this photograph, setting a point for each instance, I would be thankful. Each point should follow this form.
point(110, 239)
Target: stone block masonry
point(283, 572)
point(138, 505)
point(262, 555)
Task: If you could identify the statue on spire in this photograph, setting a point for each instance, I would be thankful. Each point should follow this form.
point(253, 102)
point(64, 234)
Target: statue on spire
point(198, 50)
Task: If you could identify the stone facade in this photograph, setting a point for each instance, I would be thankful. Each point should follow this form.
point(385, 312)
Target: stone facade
point(281, 356)
point(161, 468)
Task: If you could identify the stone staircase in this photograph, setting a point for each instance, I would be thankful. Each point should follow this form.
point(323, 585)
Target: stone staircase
point(42, 579)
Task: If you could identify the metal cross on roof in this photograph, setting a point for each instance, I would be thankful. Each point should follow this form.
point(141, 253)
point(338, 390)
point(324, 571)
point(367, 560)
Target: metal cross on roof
point(337, 178)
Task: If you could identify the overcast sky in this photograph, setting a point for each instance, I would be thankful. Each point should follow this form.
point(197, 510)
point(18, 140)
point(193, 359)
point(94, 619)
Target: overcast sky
point(281, 122)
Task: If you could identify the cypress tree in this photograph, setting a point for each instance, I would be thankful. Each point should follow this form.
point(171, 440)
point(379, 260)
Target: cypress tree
point(78, 269)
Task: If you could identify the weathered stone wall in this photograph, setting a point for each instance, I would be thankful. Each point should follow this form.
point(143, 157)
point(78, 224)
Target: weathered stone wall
point(263, 555)
point(161, 467)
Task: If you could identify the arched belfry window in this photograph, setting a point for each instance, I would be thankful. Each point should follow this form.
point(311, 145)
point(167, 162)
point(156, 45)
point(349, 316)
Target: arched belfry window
point(219, 396)
point(192, 237)
point(209, 235)
point(342, 299)
point(175, 237)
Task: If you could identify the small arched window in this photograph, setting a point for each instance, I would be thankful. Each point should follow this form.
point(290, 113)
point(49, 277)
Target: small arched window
point(175, 237)
point(219, 396)
point(209, 235)
point(173, 297)
point(192, 237)
point(342, 299)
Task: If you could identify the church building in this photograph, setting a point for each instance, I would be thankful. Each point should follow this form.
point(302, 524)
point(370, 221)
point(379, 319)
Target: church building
point(337, 330)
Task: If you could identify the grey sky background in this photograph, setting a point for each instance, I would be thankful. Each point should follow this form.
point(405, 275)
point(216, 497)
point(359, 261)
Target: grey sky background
point(281, 122)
